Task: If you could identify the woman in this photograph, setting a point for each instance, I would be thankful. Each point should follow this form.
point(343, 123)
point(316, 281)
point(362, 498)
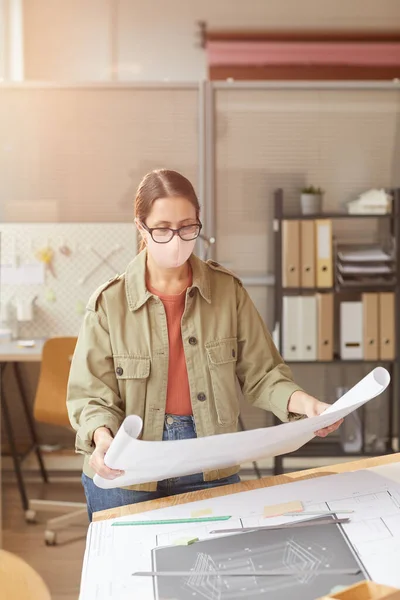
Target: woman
point(168, 340)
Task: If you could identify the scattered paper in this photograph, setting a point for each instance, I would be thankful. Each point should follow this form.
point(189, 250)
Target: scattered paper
point(144, 461)
point(371, 202)
point(26, 343)
point(364, 255)
point(364, 270)
point(279, 509)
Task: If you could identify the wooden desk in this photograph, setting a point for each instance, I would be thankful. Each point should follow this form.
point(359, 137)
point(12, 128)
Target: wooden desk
point(11, 354)
point(245, 486)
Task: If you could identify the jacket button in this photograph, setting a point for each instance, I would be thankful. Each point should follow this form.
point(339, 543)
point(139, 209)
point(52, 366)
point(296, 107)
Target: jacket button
point(119, 371)
point(201, 397)
point(191, 293)
point(192, 341)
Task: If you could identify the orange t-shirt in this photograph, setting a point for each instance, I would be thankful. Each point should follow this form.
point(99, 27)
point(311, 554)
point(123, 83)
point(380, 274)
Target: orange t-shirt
point(178, 391)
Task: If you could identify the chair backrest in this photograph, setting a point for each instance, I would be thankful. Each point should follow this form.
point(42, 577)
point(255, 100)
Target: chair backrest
point(19, 580)
point(51, 395)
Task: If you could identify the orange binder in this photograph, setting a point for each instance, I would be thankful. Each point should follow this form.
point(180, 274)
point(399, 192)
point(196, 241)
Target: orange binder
point(325, 326)
point(307, 254)
point(370, 326)
point(291, 254)
point(386, 326)
point(324, 263)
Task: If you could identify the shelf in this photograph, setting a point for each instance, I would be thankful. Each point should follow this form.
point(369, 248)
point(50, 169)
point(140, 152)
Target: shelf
point(342, 288)
point(352, 289)
point(339, 361)
point(332, 215)
point(325, 448)
point(390, 287)
point(292, 290)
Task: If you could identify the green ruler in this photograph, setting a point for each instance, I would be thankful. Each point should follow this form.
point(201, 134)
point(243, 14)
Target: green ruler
point(171, 521)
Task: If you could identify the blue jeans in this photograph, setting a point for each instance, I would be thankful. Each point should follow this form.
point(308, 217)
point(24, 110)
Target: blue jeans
point(182, 428)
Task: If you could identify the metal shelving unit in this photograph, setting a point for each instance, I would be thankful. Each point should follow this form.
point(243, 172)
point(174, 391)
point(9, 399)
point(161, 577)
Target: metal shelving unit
point(326, 447)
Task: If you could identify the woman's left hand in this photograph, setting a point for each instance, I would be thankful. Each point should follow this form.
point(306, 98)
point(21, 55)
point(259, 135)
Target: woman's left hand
point(304, 404)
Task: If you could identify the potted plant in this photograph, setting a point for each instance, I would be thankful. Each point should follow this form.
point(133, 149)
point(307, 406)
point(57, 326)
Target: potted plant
point(311, 200)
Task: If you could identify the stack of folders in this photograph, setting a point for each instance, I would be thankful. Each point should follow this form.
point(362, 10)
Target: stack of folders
point(307, 254)
point(367, 265)
point(308, 333)
point(367, 328)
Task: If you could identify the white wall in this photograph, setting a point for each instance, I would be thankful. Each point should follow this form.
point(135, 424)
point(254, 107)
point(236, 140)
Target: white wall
point(156, 39)
point(67, 40)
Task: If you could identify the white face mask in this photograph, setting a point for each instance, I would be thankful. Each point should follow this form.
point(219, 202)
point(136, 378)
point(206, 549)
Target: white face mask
point(171, 255)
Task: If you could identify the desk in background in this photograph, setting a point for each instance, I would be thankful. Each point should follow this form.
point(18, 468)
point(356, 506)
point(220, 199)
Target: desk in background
point(11, 355)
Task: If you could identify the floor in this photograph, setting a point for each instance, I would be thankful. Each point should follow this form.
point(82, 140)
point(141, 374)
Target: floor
point(60, 566)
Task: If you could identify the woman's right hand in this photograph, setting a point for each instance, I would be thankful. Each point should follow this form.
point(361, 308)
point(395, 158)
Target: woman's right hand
point(102, 439)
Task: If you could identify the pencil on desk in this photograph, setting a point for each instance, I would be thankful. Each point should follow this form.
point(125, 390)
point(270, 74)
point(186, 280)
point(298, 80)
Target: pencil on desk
point(304, 523)
point(238, 573)
point(172, 521)
point(317, 512)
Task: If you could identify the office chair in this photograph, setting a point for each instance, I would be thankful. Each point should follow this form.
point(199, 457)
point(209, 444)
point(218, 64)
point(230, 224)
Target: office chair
point(50, 407)
point(19, 580)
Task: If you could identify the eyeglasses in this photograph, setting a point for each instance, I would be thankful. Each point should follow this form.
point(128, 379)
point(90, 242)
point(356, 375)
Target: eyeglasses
point(163, 235)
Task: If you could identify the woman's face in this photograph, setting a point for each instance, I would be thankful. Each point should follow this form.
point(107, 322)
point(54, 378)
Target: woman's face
point(169, 213)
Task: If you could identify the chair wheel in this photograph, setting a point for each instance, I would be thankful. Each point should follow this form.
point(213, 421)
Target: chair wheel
point(50, 538)
point(30, 516)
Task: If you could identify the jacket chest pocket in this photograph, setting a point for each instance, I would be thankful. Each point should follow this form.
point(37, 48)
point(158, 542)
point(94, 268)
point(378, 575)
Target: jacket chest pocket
point(132, 374)
point(222, 358)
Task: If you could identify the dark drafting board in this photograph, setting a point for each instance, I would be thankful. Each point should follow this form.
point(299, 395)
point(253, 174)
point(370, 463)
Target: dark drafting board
point(307, 553)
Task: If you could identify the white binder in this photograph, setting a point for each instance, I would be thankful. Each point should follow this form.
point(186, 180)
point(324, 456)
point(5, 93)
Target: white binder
point(307, 327)
point(290, 330)
point(351, 330)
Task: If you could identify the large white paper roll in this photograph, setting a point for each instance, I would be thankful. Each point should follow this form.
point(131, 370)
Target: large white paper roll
point(145, 461)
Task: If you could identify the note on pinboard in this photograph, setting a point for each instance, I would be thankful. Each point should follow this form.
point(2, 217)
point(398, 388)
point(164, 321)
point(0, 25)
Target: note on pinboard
point(27, 274)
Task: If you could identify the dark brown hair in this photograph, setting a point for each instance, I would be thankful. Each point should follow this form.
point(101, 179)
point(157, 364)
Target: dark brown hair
point(162, 183)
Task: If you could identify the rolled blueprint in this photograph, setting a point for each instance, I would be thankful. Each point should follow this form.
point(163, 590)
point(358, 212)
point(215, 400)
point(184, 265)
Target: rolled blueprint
point(144, 461)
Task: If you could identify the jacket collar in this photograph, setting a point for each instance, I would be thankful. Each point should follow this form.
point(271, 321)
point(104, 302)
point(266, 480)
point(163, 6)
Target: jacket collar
point(135, 280)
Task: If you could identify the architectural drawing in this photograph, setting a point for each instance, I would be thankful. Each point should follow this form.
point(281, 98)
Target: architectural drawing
point(306, 555)
point(371, 539)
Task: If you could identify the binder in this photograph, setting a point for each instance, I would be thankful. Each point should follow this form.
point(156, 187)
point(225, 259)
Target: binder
point(307, 328)
point(307, 254)
point(386, 326)
point(290, 330)
point(351, 330)
point(323, 243)
point(370, 326)
point(325, 329)
point(291, 254)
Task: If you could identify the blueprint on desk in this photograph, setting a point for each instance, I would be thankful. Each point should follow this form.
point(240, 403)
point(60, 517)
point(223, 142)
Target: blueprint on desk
point(307, 558)
point(371, 539)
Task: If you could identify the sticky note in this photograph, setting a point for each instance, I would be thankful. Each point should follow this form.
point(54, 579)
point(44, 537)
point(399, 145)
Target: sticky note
point(185, 541)
point(201, 513)
point(275, 510)
point(337, 588)
point(80, 307)
point(50, 296)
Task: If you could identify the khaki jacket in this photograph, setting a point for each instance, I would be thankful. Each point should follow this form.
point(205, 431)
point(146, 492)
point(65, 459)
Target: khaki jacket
point(120, 365)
